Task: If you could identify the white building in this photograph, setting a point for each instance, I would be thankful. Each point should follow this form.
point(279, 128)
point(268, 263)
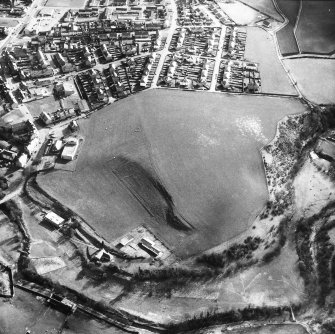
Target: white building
point(70, 149)
point(54, 219)
point(22, 160)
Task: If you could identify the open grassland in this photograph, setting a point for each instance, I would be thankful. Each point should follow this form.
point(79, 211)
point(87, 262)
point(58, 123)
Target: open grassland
point(66, 3)
point(260, 48)
point(316, 27)
point(274, 284)
point(240, 14)
point(265, 6)
point(163, 158)
point(286, 38)
point(315, 78)
point(313, 190)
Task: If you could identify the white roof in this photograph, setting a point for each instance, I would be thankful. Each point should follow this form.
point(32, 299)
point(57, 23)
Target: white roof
point(54, 218)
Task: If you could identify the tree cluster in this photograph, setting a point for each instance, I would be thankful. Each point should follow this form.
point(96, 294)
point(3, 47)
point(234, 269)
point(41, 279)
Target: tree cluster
point(233, 254)
point(206, 319)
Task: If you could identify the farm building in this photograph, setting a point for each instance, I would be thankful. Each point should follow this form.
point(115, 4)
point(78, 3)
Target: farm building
point(149, 247)
point(64, 304)
point(54, 219)
point(70, 149)
point(125, 241)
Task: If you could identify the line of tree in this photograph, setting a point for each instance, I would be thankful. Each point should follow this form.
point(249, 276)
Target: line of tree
point(210, 318)
point(233, 254)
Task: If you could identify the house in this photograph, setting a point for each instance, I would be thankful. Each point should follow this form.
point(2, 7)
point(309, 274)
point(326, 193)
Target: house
point(8, 155)
point(102, 255)
point(22, 160)
point(45, 117)
point(82, 106)
point(74, 126)
point(41, 59)
point(54, 219)
point(32, 146)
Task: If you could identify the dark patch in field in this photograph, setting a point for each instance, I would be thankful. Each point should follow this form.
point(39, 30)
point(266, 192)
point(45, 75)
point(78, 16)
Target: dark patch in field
point(151, 194)
point(316, 27)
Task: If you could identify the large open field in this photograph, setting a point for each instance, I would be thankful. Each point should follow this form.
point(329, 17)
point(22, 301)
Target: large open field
point(316, 27)
point(260, 48)
point(166, 158)
point(10, 23)
point(66, 3)
point(315, 78)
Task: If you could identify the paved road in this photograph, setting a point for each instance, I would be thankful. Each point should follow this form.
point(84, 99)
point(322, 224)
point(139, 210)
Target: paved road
point(165, 50)
point(33, 9)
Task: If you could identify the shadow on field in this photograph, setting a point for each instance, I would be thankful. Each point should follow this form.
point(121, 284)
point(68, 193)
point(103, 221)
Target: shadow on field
point(148, 191)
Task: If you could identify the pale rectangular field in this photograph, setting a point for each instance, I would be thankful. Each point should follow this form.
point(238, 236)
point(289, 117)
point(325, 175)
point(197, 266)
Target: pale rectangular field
point(264, 6)
point(66, 3)
point(198, 151)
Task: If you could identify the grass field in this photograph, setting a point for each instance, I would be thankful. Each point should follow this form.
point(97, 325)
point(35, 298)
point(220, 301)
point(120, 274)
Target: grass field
point(66, 3)
point(201, 149)
point(316, 27)
point(10, 23)
point(264, 6)
point(260, 48)
point(315, 78)
point(240, 14)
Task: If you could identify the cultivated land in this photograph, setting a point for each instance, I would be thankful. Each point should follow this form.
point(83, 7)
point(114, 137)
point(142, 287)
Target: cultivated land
point(66, 3)
point(286, 38)
point(316, 27)
point(314, 77)
point(260, 48)
point(264, 6)
point(203, 150)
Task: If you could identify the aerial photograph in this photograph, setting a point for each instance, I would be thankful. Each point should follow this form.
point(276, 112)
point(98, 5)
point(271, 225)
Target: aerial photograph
point(167, 166)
